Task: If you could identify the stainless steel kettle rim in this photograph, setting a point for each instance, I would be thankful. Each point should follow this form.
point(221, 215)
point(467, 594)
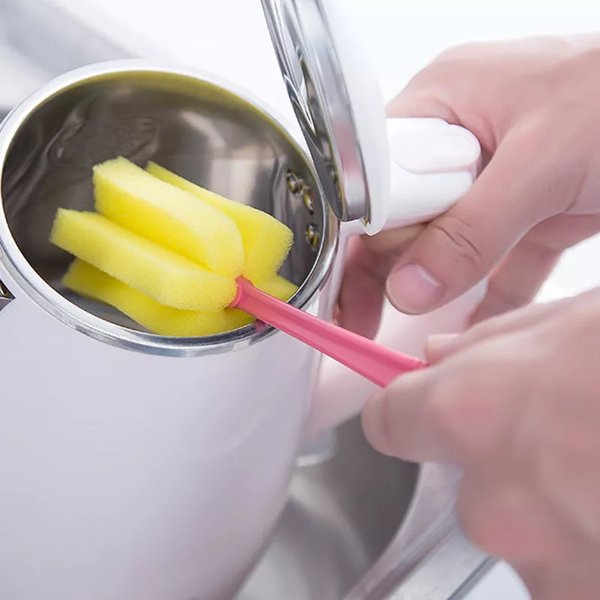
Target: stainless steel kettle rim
point(309, 61)
point(30, 282)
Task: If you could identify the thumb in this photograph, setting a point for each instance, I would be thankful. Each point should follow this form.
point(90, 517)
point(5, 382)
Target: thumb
point(516, 191)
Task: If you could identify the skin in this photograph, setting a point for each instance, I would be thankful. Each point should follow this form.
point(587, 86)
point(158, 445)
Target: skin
point(516, 399)
point(533, 103)
point(516, 402)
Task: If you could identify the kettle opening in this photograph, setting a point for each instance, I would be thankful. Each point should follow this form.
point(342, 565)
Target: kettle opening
point(199, 129)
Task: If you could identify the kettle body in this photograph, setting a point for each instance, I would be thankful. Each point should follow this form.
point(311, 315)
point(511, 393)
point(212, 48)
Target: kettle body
point(137, 466)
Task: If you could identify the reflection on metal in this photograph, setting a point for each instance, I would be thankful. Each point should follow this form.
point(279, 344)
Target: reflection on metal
point(313, 236)
point(5, 296)
point(363, 526)
point(341, 516)
point(308, 199)
point(294, 183)
point(299, 189)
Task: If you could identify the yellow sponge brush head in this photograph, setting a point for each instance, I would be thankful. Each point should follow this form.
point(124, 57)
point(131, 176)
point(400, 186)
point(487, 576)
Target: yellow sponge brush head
point(157, 318)
point(157, 272)
point(166, 252)
point(266, 240)
point(168, 215)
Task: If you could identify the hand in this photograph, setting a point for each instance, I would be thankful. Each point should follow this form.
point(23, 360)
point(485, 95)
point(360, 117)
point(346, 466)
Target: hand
point(516, 401)
point(533, 105)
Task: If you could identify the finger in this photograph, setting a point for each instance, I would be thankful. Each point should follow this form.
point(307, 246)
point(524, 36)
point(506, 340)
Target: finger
point(459, 248)
point(518, 278)
point(367, 265)
point(411, 104)
point(396, 423)
point(459, 94)
point(439, 347)
point(565, 579)
point(447, 412)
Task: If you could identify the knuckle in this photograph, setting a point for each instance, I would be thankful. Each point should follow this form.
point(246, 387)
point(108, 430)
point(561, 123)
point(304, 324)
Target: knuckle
point(460, 412)
point(460, 240)
point(444, 410)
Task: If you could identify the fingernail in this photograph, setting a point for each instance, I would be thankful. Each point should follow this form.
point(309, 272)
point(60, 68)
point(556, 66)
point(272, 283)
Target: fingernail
point(413, 289)
point(374, 423)
point(439, 345)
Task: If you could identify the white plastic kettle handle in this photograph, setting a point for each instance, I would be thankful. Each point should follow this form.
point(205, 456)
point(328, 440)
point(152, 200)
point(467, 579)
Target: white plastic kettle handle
point(432, 165)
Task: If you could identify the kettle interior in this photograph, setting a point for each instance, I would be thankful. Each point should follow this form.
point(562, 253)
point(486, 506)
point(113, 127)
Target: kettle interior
point(196, 128)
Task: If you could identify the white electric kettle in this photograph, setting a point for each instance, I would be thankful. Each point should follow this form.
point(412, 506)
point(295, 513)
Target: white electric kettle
point(139, 467)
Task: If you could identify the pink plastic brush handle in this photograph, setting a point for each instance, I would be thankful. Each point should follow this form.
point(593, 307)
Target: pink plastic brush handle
point(377, 363)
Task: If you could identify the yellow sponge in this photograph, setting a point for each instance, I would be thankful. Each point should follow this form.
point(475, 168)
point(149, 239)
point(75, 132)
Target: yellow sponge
point(86, 280)
point(279, 287)
point(167, 215)
point(266, 241)
point(163, 320)
point(167, 277)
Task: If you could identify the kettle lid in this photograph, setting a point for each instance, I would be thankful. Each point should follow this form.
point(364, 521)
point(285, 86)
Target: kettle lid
point(338, 105)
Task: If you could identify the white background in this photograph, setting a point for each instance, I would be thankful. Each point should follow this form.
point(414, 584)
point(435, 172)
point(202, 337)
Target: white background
point(229, 37)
